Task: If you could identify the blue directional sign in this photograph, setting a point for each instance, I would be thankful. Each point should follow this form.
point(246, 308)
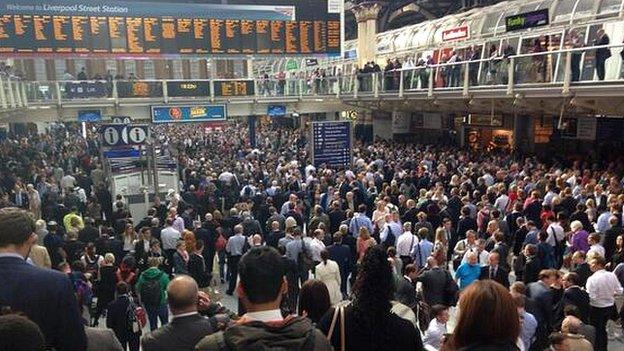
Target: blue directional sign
point(189, 113)
point(121, 134)
point(89, 116)
point(332, 144)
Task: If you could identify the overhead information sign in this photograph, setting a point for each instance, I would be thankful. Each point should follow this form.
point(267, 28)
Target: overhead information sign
point(234, 88)
point(143, 28)
point(332, 144)
point(527, 20)
point(123, 135)
point(189, 113)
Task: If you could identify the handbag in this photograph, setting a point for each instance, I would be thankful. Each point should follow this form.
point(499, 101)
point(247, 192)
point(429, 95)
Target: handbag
point(220, 243)
point(338, 313)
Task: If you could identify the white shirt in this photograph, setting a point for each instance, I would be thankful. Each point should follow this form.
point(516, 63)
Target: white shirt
point(602, 287)
point(316, 246)
point(557, 230)
point(502, 202)
point(406, 243)
point(169, 237)
point(264, 316)
point(597, 248)
point(434, 334)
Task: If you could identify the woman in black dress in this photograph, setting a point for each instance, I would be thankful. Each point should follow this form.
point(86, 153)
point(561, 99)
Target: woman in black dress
point(105, 287)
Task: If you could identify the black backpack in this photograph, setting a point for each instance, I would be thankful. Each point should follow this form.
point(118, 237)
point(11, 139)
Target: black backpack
point(390, 238)
point(151, 292)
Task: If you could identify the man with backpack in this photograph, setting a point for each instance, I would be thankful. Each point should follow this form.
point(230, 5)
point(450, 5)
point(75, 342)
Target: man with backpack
point(261, 288)
point(152, 287)
point(121, 318)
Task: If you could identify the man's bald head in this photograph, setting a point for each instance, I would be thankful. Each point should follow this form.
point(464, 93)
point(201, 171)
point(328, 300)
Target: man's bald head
point(182, 295)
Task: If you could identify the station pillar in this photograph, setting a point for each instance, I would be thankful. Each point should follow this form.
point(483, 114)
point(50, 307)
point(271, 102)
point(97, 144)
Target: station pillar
point(366, 16)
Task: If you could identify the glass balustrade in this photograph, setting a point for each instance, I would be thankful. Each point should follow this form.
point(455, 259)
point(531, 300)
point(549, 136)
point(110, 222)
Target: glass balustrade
point(554, 68)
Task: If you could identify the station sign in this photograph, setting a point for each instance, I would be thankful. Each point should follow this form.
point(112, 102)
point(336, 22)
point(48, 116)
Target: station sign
point(124, 135)
point(332, 144)
point(188, 113)
point(458, 33)
point(527, 20)
point(86, 90)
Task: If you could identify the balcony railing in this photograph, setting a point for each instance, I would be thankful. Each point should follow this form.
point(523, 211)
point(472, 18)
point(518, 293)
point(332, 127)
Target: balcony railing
point(560, 69)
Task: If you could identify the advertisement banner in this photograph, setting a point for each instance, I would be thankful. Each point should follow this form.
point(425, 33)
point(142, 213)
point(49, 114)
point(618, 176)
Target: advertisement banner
point(188, 113)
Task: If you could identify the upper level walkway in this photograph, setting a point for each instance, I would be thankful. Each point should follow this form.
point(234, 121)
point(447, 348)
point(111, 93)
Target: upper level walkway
point(570, 77)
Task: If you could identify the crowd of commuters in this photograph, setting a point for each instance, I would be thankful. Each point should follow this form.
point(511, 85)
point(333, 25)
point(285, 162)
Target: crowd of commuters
point(373, 257)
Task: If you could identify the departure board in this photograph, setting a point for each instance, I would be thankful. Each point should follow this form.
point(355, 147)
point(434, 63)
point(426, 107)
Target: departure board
point(263, 37)
point(233, 36)
point(6, 28)
point(201, 35)
point(185, 35)
point(247, 36)
point(44, 33)
point(139, 28)
point(134, 30)
point(217, 36)
point(151, 35)
point(63, 34)
point(117, 32)
point(100, 39)
point(306, 37)
point(23, 33)
point(81, 34)
point(277, 37)
point(169, 44)
point(320, 37)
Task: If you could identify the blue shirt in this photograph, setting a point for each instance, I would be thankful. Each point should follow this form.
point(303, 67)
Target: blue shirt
point(360, 220)
point(421, 252)
point(235, 245)
point(602, 224)
point(528, 330)
point(467, 273)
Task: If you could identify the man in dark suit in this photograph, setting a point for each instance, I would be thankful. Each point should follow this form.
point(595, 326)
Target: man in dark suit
point(602, 54)
point(406, 287)
point(580, 267)
point(187, 327)
point(542, 297)
point(336, 216)
point(127, 333)
point(574, 295)
point(341, 254)
point(466, 223)
point(197, 266)
point(142, 247)
point(494, 271)
point(46, 297)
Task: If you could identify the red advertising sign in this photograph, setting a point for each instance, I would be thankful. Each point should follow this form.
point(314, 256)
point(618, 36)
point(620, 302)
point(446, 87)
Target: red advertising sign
point(458, 33)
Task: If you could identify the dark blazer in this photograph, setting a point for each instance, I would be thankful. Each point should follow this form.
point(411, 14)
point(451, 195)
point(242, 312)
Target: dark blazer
point(117, 319)
point(583, 271)
point(434, 285)
point(532, 267)
point(197, 270)
point(47, 298)
point(342, 255)
point(578, 297)
point(542, 296)
point(180, 334)
point(405, 292)
point(502, 275)
point(464, 225)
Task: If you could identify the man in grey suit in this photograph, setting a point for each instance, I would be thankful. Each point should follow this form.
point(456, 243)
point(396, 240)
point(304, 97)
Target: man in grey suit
point(187, 326)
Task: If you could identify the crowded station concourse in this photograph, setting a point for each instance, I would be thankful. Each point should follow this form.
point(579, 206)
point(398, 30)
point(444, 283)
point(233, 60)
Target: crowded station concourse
point(210, 227)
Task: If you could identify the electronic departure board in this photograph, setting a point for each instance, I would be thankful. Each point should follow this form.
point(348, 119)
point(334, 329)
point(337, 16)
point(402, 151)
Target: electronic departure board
point(137, 28)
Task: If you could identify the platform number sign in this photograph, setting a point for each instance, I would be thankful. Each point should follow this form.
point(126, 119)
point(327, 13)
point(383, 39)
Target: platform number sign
point(124, 135)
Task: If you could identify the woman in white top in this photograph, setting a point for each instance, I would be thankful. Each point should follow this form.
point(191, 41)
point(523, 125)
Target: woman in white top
point(328, 272)
point(129, 237)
